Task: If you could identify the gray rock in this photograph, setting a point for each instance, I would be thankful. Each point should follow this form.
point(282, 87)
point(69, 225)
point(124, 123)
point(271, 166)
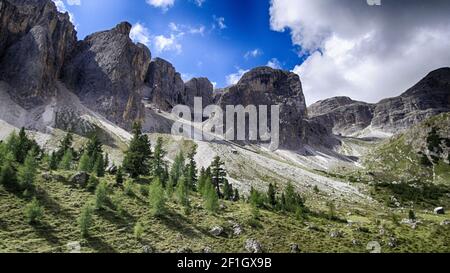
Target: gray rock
point(207, 249)
point(237, 229)
point(392, 242)
point(185, 250)
point(439, 210)
point(445, 223)
point(148, 249)
point(112, 169)
point(198, 87)
point(216, 231)
point(164, 86)
point(35, 40)
point(336, 234)
point(295, 248)
point(253, 246)
point(80, 179)
point(107, 71)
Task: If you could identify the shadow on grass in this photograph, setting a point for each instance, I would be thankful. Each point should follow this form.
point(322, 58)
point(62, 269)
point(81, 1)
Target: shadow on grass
point(3, 225)
point(50, 204)
point(180, 223)
point(99, 245)
point(121, 221)
point(47, 232)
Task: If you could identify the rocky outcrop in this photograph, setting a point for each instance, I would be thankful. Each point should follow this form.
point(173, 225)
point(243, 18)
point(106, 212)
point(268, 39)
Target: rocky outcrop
point(428, 98)
point(198, 87)
point(35, 40)
point(267, 86)
point(164, 86)
point(107, 71)
point(342, 115)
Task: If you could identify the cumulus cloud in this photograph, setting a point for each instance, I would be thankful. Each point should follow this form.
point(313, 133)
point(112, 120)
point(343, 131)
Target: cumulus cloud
point(253, 53)
point(274, 63)
point(167, 43)
point(199, 2)
point(162, 4)
point(366, 52)
point(235, 77)
point(140, 34)
point(62, 7)
point(181, 29)
point(219, 22)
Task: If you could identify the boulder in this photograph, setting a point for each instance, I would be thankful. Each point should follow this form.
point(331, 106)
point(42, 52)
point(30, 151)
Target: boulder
point(253, 246)
point(148, 249)
point(111, 169)
point(216, 231)
point(80, 179)
point(439, 210)
point(295, 248)
point(185, 250)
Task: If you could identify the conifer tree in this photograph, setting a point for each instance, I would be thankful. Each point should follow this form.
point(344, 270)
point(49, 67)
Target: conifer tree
point(66, 161)
point(211, 198)
point(159, 165)
point(236, 196)
point(33, 212)
point(271, 195)
point(119, 176)
point(85, 219)
point(100, 166)
point(26, 173)
point(227, 191)
point(101, 195)
point(138, 156)
point(177, 169)
point(83, 164)
point(64, 145)
point(53, 165)
point(8, 175)
point(182, 193)
point(157, 198)
point(202, 181)
point(218, 174)
point(191, 169)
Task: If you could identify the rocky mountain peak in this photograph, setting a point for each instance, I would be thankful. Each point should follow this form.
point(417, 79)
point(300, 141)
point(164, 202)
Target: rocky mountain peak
point(123, 28)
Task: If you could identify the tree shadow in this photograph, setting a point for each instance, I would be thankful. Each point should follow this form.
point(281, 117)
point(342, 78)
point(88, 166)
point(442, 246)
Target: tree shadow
point(180, 223)
point(44, 230)
point(99, 245)
point(50, 204)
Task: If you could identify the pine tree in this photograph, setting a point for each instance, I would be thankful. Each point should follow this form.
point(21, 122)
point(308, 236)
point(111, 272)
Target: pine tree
point(26, 173)
point(211, 198)
point(292, 199)
point(157, 198)
point(94, 149)
point(85, 219)
point(64, 145)
point(202, 181)
point(33, 212)
point(83, 164)
point(218, 174)
point(256, 198)
point(159, 165)
point(101, 195)
point(106, 161)
point(182, 193)
point(331, 210)
point(66, 161)
point(138, 156)
point(53, 165)
point(119, 176)
point(271, 196)
point(177, 169)
point(236, 196)
point(227, 191)
point(100, 166)
point(191, 169)
point(8, 176)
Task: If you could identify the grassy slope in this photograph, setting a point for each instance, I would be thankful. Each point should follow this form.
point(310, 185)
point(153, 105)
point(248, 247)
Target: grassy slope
point(113, 233)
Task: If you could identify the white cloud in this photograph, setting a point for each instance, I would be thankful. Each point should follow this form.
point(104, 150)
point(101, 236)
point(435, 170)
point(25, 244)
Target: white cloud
point(253, 53)
point(274, 63)
point(235, 77)
point(167, 43)
point(219, 22)
point(140, 34)
point(74, 2)
point(181, 29)
point(62, 7)
point(365, 52)
point(199, 2)
point(162, 4)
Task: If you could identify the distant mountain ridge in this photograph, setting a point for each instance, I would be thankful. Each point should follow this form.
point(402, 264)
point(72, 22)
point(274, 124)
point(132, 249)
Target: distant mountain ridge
point(427, 98)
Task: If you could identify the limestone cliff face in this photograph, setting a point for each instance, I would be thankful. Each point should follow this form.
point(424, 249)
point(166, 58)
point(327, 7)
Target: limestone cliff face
point(164, 85)
point(267, 86)
point(198, 87)
point(107, 71)
point(342, 115)
point(35, 40)
point(429, 97)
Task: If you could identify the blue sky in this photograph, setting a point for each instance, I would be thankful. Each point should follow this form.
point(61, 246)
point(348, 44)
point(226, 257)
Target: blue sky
point(217, 39)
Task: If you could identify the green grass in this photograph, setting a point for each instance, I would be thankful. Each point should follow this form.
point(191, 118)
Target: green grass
point(112, 232)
